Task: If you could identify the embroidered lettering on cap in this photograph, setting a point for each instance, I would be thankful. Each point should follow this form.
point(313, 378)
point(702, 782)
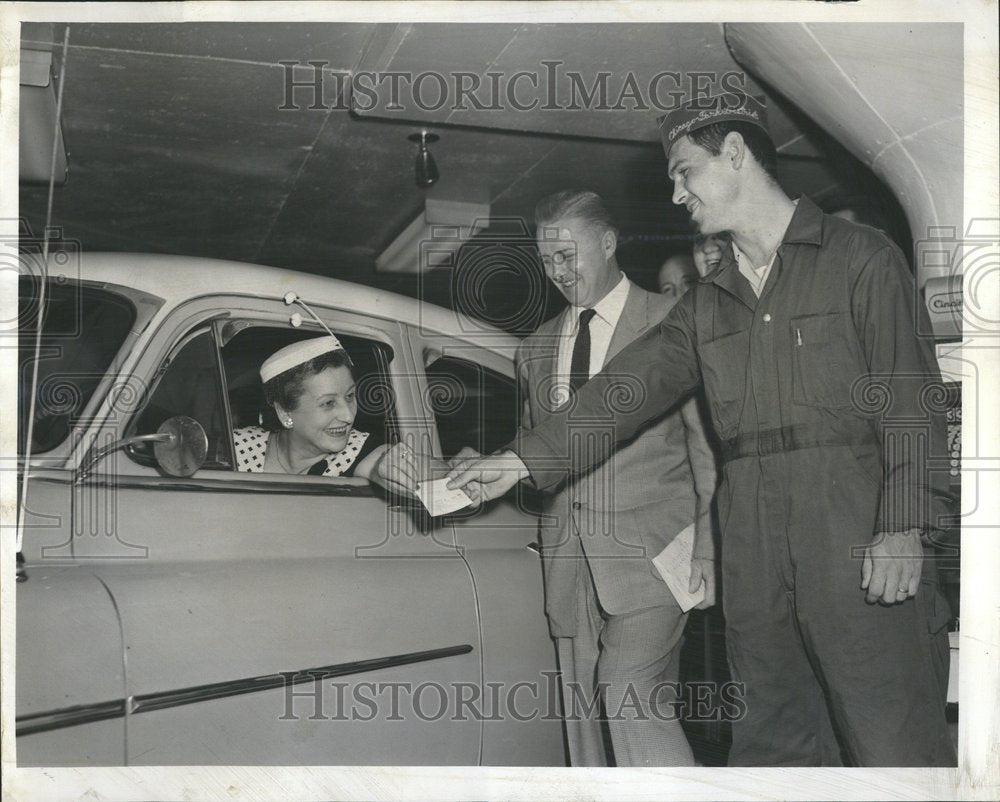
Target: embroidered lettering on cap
point(727, 107)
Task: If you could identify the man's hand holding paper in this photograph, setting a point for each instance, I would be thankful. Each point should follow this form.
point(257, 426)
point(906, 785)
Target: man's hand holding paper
point(425, 477)
point(691, 579)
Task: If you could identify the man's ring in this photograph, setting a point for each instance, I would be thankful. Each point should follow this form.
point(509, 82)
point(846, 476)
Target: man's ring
point(904, 590)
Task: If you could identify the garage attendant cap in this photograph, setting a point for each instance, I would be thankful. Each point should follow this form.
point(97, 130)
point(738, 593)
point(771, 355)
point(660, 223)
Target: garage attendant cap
point(701, 111)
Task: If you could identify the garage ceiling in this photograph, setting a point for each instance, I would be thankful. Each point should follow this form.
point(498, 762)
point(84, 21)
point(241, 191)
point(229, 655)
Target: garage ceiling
point(178, 143)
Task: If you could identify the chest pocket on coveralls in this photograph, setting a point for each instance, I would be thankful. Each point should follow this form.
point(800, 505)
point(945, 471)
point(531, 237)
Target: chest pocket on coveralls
point(823, 365)
point(723, 367)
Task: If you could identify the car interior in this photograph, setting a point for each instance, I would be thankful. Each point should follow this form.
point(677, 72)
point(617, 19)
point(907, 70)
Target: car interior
point(190, 385)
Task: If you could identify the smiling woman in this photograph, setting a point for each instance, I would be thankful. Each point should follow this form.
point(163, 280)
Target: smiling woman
point(311, 388)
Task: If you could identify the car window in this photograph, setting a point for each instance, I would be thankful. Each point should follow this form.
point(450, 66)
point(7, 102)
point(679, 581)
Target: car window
point(473, 405)
point(247, 345)
point(83, 329)
point(190, 384)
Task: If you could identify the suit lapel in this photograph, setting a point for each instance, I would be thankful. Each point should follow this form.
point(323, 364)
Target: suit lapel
point(544, 355)
point(548, 348)
point(632, 322)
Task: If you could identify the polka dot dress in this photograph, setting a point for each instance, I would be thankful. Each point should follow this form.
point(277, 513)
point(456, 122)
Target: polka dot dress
point(251, 447)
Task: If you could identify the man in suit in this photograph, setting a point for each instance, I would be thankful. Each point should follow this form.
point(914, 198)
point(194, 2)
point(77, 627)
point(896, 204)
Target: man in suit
point(617, 626)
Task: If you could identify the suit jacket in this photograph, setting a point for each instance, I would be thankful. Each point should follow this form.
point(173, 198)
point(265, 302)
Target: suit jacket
point(616, 517)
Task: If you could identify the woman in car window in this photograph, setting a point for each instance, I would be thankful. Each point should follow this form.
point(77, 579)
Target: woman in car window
point(312, 390)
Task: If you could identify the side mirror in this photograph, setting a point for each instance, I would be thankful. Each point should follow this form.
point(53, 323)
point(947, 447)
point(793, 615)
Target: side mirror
point(184, 453)
point(180, 446)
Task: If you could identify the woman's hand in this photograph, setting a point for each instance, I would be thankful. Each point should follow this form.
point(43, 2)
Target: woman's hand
point(399, 469)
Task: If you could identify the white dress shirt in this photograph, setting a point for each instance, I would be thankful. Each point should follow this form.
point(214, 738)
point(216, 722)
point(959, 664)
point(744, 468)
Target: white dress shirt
point(602, 327)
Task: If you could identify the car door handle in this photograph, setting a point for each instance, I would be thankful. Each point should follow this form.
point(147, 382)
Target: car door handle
point(535, 548)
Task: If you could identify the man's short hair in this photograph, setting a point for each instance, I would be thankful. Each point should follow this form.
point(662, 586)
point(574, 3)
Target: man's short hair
point(581, 203)
point(711, 137)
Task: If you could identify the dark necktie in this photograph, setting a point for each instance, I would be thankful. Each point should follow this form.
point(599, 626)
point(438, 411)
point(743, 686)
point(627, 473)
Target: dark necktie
point(579, 368)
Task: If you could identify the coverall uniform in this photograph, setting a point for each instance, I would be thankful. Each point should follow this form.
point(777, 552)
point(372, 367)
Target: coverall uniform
point(828, 407)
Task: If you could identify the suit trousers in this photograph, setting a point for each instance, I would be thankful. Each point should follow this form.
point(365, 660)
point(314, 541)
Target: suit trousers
point(633, 659)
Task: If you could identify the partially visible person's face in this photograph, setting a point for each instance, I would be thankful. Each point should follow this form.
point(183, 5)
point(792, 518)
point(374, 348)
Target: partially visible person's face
point(707, 252)
point(327, 407)
point(704, 183)
point(579, 259)
point(676, 276)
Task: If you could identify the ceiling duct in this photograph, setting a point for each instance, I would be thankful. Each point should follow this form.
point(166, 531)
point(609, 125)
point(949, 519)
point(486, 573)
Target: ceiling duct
point(432, 240)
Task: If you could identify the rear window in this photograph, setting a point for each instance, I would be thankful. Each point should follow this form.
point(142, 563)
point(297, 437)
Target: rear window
point(83, 329)
point(473, 405)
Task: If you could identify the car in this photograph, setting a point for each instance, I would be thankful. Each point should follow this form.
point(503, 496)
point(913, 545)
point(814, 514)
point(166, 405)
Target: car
point(224, 617)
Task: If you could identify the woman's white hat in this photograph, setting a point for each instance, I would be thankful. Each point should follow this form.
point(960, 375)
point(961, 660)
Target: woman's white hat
point(295, 354)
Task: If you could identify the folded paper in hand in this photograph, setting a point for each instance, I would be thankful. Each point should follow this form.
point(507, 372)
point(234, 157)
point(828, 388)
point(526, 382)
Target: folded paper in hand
point(439, 500)
point(674, 565)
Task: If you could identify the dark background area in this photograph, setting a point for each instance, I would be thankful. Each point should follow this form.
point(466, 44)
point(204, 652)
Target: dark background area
point(178, 143)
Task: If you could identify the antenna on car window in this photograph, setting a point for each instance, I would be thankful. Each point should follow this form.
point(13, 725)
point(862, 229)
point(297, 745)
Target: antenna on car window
point(40, 318)
point(296, 318)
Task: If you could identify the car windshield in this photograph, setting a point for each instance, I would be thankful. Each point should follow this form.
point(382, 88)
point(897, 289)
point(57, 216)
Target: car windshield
point(82, 331)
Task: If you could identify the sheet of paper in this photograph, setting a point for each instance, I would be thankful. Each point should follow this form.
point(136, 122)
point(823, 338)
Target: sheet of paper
point(439, 500)
point(674, 565)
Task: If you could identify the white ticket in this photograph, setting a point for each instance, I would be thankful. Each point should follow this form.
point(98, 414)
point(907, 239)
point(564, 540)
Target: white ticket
point(439, 500)
point(674, 565)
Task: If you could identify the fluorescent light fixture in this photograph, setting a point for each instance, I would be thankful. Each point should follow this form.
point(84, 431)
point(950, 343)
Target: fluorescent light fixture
point(432, 240)
point(38, 124)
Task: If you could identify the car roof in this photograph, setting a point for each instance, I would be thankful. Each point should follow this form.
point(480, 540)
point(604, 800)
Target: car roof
point(178, 278)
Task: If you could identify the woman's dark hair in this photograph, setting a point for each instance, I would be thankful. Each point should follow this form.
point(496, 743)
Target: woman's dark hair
point(286, 387)
point(757, 141)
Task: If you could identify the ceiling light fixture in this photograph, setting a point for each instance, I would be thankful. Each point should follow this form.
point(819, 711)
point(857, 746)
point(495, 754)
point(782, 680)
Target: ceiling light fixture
point(425, 168)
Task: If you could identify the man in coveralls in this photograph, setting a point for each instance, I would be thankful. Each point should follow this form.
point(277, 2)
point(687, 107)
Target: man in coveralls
point(822, 396)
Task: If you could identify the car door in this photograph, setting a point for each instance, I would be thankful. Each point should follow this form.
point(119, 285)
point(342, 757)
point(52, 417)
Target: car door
point(70, 672)
point(271, 619)
point(473, 397)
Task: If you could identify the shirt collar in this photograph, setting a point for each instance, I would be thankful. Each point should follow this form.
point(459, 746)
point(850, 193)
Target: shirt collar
point(806, 227)
point(742, 257)
point(609, 308)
